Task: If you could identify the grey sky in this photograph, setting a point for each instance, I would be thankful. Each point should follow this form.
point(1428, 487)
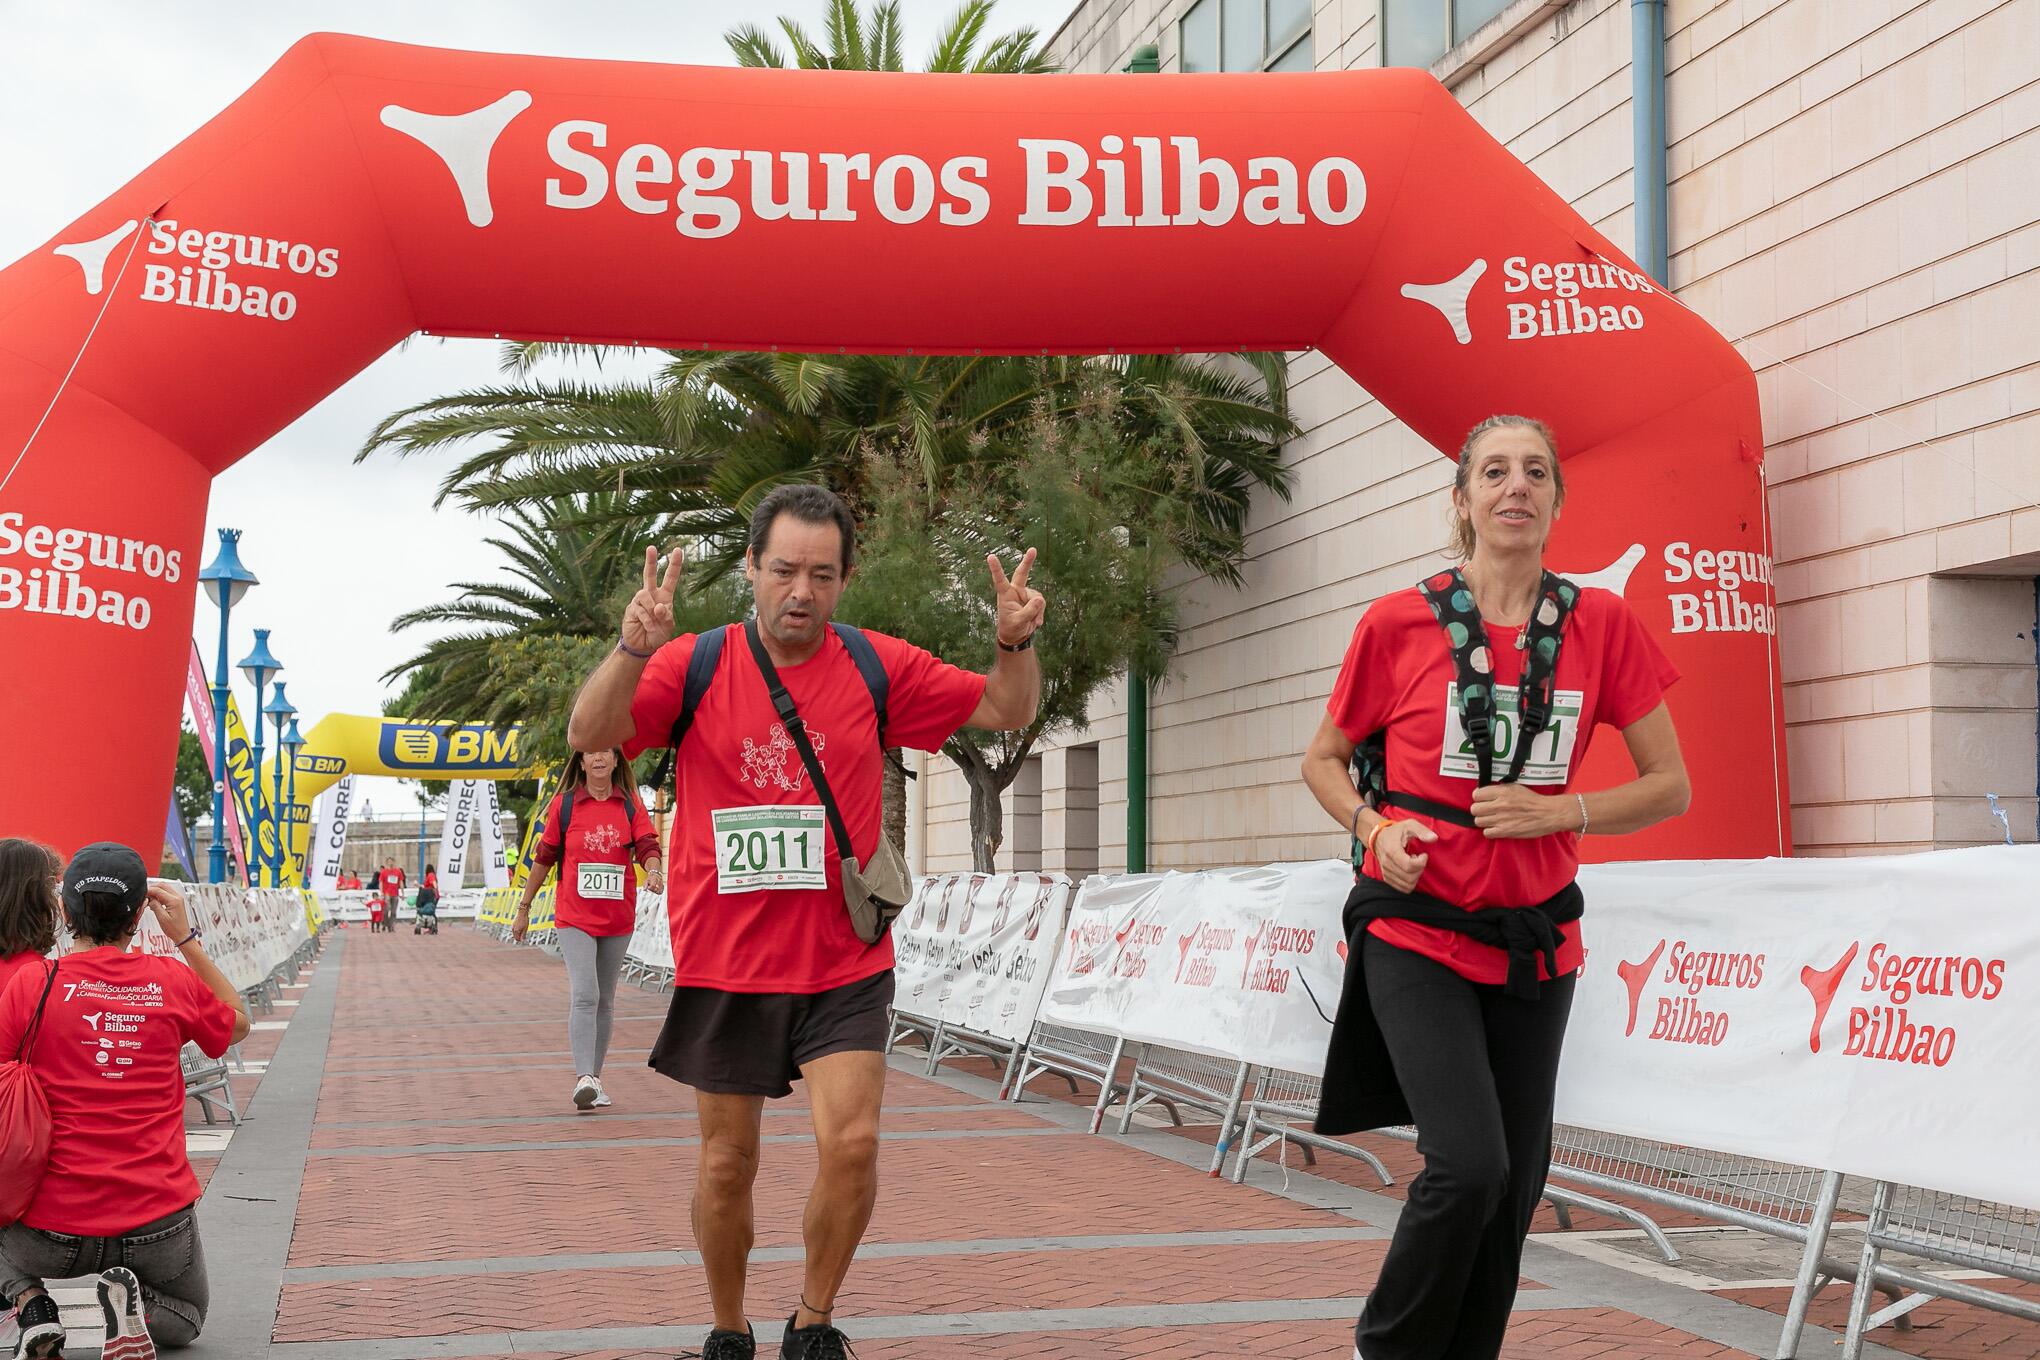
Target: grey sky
point(92, 93)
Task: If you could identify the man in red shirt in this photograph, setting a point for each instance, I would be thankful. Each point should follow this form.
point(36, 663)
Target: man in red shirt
point(389, 881)
point(771, 982)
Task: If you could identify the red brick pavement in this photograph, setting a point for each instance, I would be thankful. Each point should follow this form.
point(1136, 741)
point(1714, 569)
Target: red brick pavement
point(494, 1007)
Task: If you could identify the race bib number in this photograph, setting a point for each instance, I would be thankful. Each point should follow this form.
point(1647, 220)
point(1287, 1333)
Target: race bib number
point(769, 847)
point(1550, 759)
point(600, 882)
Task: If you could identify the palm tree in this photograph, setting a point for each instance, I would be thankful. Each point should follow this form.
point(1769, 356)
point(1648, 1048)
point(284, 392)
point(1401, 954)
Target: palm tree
point(873, 43)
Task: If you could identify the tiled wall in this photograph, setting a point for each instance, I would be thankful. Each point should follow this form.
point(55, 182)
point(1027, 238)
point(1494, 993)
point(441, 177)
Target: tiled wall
point(1855, 200)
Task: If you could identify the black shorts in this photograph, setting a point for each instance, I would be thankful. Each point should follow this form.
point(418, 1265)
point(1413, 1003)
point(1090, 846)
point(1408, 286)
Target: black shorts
point(755, 1043)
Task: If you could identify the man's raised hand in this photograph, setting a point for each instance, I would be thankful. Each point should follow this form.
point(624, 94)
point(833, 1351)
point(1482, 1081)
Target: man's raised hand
point(1020, 609)
point(648, 622)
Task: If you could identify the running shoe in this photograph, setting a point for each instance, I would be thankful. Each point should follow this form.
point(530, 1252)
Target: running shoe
point(819, 1342)
point(602, 1100)
point(127, 1334)
point(586, 1091)
point(723, 1345)
point(42, 1330)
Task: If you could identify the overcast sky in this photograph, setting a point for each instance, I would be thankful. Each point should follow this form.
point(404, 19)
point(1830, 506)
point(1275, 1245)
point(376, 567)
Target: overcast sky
point(91, 93)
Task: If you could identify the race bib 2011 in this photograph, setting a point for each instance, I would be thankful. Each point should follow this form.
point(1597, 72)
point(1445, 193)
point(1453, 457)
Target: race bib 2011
point(1550, 759)
point(769, 847)
point(600, 882)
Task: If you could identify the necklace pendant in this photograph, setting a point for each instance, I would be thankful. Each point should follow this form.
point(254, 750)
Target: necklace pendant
point(1523, 639)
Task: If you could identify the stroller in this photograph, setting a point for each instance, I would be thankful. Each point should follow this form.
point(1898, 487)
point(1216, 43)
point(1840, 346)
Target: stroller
point(427, 919)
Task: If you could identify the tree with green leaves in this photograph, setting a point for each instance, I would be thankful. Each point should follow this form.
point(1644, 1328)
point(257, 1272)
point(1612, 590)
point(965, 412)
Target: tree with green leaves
point(857, 42)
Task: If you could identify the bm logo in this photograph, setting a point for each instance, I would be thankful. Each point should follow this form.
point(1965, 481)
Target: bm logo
point(322, 764)
point(440, 746)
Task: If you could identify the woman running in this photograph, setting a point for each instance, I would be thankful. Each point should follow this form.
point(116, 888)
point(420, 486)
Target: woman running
point(595, 832)
point(1460, 963)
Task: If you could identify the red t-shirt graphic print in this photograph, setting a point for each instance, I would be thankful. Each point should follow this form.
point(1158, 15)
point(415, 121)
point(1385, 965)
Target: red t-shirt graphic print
point(754, 885)
point(1398, 674)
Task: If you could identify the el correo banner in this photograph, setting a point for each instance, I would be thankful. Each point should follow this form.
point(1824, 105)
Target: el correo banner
point(495, 855)
point(456, 833)
point(329, 834)
point(975, 950)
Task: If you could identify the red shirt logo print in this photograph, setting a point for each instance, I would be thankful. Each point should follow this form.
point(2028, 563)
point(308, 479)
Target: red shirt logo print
point(777, 764)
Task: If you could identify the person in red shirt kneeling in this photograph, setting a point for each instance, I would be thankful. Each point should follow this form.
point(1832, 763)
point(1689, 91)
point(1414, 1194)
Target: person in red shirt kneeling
point(597, 833)
point(1459, 967)
point(119, 1198)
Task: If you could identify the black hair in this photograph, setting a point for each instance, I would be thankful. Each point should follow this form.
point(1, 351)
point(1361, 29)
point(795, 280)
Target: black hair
point(809, 503)
point(28, 896)
point(102, 917)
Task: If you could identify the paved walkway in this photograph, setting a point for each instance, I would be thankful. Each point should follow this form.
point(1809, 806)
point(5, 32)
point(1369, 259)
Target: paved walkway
point(413, 1182)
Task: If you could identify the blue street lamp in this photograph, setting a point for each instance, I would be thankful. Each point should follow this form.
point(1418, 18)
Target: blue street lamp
point(279, 710)
point(226, 581)
point(258, 666)
point(292, 743)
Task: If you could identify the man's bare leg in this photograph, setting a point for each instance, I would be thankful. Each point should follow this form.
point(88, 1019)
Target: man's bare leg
point(845, 1091)
point(722, 1199)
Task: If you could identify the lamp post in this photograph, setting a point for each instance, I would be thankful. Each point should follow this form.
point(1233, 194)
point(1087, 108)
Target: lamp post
point(278, 710)
point(258, 666)
point(292, 743)
point(226, 581)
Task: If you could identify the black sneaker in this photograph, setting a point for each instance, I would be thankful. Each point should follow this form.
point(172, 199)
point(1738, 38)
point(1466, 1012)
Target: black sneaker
point(42, 1330)
point(722, 1345)
point(819, 1342)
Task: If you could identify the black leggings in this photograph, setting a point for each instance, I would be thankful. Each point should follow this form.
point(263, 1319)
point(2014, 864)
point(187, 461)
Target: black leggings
point(1478, 1067)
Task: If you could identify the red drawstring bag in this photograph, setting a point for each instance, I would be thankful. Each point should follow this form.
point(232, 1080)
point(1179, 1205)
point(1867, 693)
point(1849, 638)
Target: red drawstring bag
point(24, 1121)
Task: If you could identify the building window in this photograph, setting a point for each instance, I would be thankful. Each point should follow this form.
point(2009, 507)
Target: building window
point(1245, 35)
point(1419, 32)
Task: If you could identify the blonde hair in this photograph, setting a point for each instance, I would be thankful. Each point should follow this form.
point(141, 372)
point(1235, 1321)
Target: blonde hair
point(1461, 543)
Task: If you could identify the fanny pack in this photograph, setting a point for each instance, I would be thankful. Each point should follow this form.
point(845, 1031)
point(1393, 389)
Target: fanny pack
point(874, 893)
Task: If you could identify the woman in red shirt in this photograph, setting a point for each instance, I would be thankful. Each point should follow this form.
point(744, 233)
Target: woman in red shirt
point(118, 1198)
point(595, 832)
point(28, 906)
point(1460, 970)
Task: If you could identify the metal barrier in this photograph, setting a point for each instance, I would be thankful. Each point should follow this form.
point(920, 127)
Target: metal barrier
point(1282, 1101)
point(1172, 1077)
point(1070, 1054)
point(1954, 1230)
point(948, 1041)
point(206, 1081)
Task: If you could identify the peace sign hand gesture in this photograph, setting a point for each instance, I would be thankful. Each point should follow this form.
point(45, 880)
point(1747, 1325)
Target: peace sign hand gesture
point(648, 622)
point(1020, 609)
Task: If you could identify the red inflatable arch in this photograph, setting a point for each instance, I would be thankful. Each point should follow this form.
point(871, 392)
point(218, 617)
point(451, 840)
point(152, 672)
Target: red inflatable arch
point(362, 191)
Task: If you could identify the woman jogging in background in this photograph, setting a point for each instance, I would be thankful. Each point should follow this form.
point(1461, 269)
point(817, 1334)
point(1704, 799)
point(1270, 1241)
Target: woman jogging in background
point(596, 832)
point(1471, 701)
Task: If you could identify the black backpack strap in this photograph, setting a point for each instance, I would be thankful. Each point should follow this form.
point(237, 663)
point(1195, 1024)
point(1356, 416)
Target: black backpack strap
point(566, 817)
point(1544, 634)
point(708, 649)
point(876, 680)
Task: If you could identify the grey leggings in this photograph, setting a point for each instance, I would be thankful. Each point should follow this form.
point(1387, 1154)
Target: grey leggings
point(166, 1256)
point(594, 962)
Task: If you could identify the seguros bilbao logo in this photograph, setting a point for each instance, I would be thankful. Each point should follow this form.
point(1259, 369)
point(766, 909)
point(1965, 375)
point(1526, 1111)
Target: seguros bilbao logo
point(1912, 1017)
point(1695, 982)
point(1545, 299)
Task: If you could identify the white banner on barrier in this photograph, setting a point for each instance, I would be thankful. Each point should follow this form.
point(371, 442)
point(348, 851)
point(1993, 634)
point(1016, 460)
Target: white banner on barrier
point(1233, 963)
point(976, 950)
point(248, 931)
point(456, 833)
point(329, 833)
point(1878, 1016)
point(651, 940)
point(495, 855)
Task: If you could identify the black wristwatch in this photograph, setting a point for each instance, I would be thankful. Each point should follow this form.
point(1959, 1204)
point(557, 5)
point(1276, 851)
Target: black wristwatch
point(1022, 645)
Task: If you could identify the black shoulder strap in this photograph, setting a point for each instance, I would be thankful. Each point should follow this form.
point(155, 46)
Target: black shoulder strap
point(701, 666)
point(566, 816)
point(33, 1028)
point(1452, 604)
point(875, 679)
point(789, 717)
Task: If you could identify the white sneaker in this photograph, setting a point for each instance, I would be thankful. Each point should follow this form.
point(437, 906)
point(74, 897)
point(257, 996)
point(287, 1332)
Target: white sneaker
point(586, 1092)
point(602, 1100)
